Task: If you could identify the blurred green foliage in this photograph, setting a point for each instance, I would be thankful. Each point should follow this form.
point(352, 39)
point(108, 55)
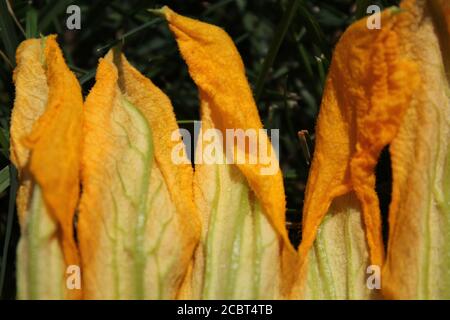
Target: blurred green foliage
point(286, 47)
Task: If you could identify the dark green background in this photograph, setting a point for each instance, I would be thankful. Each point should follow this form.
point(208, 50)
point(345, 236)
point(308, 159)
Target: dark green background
point(289, 96)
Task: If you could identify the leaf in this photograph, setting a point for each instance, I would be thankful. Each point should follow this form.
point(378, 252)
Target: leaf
point(418, 259)
point(4, 179)
point(247, 196)
point(138, 226)
point(31, 23)
point(9, 225)
point(87, 76)
point(358, 117)
point(129, 34)
point(45, 148)
point(51, 12)
point(280, 33)
point(4, 142)
point(361, 8)
point(7, 31)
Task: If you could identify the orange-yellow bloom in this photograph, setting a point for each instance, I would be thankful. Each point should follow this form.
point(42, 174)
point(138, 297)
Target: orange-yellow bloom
point(368, 91)
point(45, 147)
point(247, 253)
point(418, 256)
point(138, 225)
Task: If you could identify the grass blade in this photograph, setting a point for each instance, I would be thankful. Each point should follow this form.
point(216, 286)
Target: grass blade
point(280, 33)
point(8, 32)
point(217, 5)
point(9, 224)
point(52, 10)
point(87, 76)
point(361, 8)
point(4, 179)
point(4, 142)
point(305, 59)
point(13, 16)
point(311, 24)
point(31, 23)
point(129, 33)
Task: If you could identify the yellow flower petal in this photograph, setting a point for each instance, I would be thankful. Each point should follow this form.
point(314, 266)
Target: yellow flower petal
point(368, 90)
point(30, 102)
point(240, 253)
point(138, 225)
point(45, 147)
point(418, 260)
point(337, 262)
point(216, 67)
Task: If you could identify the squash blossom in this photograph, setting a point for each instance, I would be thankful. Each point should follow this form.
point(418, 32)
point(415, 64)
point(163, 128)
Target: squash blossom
point(245, 252)
point(138, 225)
point(418, 256)
point(46, 125)
point(368, 90)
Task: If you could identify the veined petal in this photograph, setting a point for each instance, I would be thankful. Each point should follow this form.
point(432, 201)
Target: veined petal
point(30, 102)
point(367, 93)
point(227, 103)
point(138, 225)
point(240, 253)
point(418, 256)
point(45, 147)
point(337, 262)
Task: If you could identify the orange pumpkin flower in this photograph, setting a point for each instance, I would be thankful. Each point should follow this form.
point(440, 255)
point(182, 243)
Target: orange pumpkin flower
point(246, 249)
point(46, 133)
point(368, 92)
point(138, 225)
point(418, 260)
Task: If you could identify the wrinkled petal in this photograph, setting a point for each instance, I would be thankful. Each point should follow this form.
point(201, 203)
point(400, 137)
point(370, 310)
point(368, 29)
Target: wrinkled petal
point(367, 93)
point(226, 98)
point(240, 258)
point(138, 225)
point(45, 147)
point(338, 260)
point(418, 257)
